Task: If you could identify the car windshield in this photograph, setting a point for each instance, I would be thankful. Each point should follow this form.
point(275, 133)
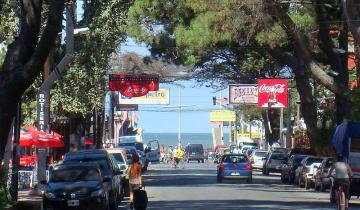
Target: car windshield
point(138, 146)
point(235, 159)
point(313, 160)
point(260, 154)
point(74, 175)
point(278, 156)
point(99, 160)
point(118, 158)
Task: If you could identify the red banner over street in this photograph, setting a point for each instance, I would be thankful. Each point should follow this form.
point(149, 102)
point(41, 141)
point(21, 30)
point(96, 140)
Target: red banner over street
point(134, 85)
point(273, 93)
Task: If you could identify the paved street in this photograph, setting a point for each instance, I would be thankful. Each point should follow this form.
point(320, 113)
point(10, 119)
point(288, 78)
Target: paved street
point(195, 187)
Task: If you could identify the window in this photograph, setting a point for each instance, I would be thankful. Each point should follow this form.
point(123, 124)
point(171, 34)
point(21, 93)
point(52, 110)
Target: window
point(235, 159)
point(74, 175)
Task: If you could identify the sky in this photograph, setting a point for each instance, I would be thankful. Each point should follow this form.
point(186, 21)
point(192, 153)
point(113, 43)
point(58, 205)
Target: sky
point(197, 99)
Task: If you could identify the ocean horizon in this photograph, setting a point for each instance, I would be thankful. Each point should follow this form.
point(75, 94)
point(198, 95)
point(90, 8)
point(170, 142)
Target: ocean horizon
point(171, 139)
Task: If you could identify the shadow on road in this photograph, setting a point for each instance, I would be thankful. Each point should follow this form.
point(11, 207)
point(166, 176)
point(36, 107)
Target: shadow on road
point(241, 204)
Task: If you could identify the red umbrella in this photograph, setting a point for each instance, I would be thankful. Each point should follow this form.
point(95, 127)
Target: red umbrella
point(26, 139)
point(48, 140)
point(44, 139)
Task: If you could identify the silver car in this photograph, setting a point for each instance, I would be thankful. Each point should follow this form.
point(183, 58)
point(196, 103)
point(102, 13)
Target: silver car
point(256, 158)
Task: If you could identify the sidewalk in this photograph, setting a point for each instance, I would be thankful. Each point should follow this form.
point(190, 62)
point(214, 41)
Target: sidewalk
point(27, 202)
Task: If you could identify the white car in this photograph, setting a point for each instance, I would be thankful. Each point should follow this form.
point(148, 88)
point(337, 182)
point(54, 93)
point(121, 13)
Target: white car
point(256, 159)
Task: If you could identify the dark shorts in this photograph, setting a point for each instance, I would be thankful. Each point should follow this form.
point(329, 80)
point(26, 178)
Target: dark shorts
point(135, 187)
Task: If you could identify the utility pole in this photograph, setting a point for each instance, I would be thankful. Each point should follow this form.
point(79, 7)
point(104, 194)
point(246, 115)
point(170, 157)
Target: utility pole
point(15, 160)
point(281, 126)
point(179, 119)
point(289, 126)
point(43, 96)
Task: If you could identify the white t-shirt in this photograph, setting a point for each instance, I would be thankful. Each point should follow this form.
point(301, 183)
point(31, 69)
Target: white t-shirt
point(341, 171)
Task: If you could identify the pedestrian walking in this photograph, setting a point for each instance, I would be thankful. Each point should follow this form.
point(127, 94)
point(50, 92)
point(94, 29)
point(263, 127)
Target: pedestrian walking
point(135, 178)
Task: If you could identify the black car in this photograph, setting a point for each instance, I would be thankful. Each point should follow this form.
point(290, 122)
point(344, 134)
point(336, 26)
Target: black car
point(195, 152)
point(76, 185)
point(288, 171)
point(322, 178)
point(274, 162)
point(111, 173)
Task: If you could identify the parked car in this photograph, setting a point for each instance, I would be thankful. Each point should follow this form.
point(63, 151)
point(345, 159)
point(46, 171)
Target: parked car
point(305, 171)
point(257, 159)
point(288, 171)
point(322, 179)
point(111, 174)
point(77, 185)
point(234, 166)
point(120, 159)
point(274, 163)
point(194, 152)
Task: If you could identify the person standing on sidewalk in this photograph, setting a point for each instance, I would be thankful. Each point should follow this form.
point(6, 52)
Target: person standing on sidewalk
point(135, 179)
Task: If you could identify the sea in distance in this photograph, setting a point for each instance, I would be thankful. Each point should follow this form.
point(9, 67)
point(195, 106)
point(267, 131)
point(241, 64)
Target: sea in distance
point(171, 139)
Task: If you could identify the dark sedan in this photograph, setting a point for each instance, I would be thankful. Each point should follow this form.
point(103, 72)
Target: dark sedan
point(322, 178)
point(288, 171)
point(111, 173)
point(76, 186)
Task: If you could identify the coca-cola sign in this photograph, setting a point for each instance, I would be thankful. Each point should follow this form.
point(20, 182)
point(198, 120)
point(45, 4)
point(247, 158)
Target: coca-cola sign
point(273, 93)
point(133, 85)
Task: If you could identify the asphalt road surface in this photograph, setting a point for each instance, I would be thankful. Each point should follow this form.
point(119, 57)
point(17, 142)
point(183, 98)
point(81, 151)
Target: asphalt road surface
point(195, 188)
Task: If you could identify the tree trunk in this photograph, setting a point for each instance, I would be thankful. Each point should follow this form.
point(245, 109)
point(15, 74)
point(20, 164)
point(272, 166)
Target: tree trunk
point(307, 102)
point(25, 58)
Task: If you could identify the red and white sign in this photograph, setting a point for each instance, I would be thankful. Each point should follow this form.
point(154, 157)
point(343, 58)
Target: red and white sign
point(134, 85)
point(273, 93)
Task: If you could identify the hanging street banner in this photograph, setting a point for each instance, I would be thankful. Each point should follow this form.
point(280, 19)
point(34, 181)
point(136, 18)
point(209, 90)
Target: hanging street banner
point(273, 93)
point(222, 116)
point(127, 107)
point(243, 94)
point(160, 97)
point(133, 85)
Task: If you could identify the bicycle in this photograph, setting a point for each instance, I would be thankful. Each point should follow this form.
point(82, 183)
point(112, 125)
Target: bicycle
point(342, 197)
point(179, 162)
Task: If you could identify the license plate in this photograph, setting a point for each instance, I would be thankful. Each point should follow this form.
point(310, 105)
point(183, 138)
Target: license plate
point(235, 174)
point(73, 203)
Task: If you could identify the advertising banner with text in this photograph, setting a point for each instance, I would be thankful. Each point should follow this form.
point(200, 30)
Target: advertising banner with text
point(160, 97)
point(243, 94)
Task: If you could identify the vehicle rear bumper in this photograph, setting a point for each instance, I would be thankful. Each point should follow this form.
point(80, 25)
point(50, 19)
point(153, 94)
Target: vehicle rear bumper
point(84, 204)
point(237, 174)
point(277, 169)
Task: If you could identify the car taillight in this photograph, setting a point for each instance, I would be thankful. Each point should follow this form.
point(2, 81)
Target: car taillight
point(304, 169)
point(248, 166)
point(221, 166)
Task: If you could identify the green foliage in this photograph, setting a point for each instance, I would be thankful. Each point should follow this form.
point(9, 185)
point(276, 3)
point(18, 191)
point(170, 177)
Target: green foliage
point(83, 86)
point(9, 21)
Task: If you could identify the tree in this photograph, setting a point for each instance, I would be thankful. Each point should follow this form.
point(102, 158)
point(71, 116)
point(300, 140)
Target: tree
point(25, 57)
